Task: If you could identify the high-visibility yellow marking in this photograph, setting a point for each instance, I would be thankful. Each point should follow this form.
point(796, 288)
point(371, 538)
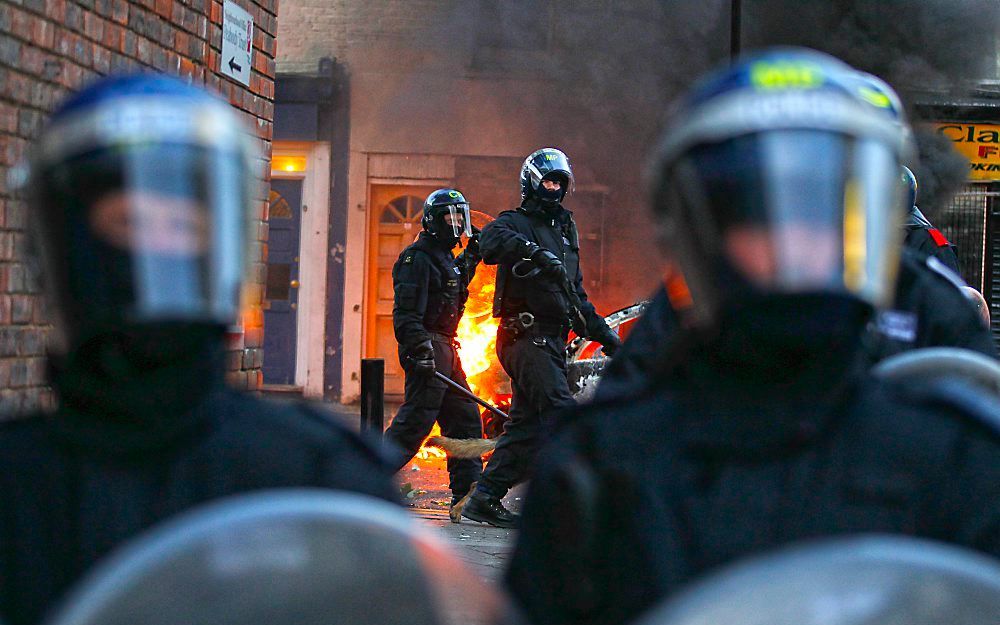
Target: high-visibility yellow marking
point(875, 97)
point(785, 75)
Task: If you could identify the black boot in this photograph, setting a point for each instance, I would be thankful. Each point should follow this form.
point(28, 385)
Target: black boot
point(488, 509)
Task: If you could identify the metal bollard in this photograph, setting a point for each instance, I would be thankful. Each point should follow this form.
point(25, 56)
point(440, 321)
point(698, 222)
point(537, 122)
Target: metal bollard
point(372, 397)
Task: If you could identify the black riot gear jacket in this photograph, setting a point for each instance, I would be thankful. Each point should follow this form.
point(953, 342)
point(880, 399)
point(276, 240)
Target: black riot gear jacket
point(929, 310)
point(125, 452)
point(922, 236)
point(516, 235)
point(431, 288)
point(743, 450)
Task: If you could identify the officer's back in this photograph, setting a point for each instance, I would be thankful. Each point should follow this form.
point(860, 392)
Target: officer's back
point(140, 218)
point(767, 429)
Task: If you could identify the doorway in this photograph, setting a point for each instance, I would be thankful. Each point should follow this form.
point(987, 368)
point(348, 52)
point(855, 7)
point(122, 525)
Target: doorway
point(396, 214)
point(281, 290)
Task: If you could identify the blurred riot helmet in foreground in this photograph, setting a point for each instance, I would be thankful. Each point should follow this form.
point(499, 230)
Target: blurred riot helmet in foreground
point(300, 557)
point(776, 176)
point(139, 195)
point(546, 176)
point(446, 216)
point(874, 580)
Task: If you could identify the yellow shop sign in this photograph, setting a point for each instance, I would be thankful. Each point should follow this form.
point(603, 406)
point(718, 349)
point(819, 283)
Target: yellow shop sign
point(979, 143)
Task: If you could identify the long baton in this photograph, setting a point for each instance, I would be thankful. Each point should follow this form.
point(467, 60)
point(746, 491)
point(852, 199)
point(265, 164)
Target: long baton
point(458, 387)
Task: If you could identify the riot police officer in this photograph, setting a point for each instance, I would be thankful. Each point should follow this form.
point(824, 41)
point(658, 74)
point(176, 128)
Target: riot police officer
point(539, 297)
point(431, 287)
point(775, 188)
point(921, 235)
point(140, 198)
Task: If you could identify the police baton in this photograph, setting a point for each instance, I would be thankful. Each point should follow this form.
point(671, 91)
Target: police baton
point(458, 387)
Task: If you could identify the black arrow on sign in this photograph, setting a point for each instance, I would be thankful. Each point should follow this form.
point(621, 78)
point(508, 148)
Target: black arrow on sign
point(233, 66)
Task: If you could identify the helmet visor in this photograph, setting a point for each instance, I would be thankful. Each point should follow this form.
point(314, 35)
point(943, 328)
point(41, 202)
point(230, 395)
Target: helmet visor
point(547, 164)
point(145, 233)
point(458, 219)
point(793, 211)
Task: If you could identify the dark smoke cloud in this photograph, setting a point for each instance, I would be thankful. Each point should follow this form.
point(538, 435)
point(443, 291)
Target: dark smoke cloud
point(919, 46)
point(942, 172)
point(610, 71)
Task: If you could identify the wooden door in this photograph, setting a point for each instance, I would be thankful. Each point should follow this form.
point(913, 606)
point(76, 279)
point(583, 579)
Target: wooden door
point(396, 213)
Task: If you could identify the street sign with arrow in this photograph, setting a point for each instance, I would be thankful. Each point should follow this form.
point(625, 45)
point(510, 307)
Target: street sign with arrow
point(237, 43)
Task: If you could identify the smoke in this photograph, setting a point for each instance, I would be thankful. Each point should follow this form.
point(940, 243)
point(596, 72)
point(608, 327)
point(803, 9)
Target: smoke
point(921, 47)
point(591, 77)
point(941, 173)
point(595, 78)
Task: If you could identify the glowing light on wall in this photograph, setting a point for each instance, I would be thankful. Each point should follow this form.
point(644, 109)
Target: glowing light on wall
point(286, 164)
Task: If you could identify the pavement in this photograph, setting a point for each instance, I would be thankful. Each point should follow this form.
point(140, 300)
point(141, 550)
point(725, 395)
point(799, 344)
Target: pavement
point(484, 548)
point(423, 485)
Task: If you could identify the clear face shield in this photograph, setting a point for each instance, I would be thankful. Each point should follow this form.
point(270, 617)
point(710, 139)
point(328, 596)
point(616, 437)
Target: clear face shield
point(144, 232)
point(871, 580)
point(302, 557)
point(458, 219)
point(793, 211)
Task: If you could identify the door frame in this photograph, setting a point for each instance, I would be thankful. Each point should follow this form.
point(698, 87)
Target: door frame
point(313, 237)
point(371, 224)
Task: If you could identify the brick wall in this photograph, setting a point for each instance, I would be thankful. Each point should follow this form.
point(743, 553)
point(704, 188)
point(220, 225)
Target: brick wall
point(50, 48)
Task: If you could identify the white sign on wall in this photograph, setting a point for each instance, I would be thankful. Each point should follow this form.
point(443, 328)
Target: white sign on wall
point(237, 43)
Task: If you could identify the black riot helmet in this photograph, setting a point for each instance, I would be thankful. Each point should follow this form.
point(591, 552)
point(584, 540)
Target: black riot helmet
point(870, 580)
point(139, 189)
point(546, 164)
point(446, 216)
point(778, 175)
point(287, 557)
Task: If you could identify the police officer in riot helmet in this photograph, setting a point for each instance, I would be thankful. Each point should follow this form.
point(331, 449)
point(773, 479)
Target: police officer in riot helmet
point(778, 192)
point(929, 306)
point(139, 193)
point(921, 235)
point(431, 287)
point(539, 298)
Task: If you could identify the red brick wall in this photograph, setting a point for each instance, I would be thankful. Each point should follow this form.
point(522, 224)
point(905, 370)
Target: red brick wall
point(50, 48)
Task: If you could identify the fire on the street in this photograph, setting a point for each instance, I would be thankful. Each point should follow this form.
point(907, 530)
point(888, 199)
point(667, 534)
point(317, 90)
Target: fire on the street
point(477, 336)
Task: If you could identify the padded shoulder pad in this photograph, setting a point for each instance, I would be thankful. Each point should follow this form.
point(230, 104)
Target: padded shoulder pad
point(968, 400)
point(939, 239)
point(942, 270)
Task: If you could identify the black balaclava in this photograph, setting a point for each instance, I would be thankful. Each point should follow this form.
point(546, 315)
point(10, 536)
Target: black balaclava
point(550, 200)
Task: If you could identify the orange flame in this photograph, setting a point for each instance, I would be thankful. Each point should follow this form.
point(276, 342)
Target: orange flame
point(428, 453)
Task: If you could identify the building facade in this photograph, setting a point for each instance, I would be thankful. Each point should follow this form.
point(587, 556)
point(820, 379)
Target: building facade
point(385, 102)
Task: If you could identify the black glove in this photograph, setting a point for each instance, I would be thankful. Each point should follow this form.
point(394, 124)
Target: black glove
point(472, 247)
point(551, 268)
point(610, 343)
point(422, 358)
